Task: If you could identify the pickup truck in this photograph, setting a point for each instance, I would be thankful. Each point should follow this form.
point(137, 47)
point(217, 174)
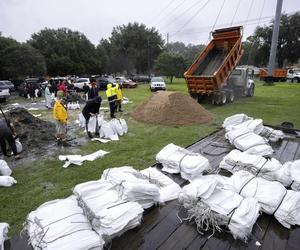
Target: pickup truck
point(293, 75)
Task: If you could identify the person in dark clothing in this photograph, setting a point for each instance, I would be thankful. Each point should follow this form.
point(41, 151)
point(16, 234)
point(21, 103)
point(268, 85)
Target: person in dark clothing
point(93, 91)
point(86, 89)
point(90, 109)
point(8, 134)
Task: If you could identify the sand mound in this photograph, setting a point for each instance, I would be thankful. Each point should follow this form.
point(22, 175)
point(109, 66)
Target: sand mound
point(33, 132)
point(171, 108)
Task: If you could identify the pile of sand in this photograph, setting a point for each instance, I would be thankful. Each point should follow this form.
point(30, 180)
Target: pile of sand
point(171, 108)
point(33, 132)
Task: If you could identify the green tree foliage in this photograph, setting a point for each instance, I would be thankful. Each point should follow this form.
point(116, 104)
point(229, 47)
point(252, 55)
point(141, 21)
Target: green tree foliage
point(170, 64)
point(189, 52)
point(66, 52)
point(257, 47)
point(21, 60)
point(131, 48)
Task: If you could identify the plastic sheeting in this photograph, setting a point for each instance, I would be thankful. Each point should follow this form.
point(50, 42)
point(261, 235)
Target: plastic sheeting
point(4, 168)
point(168, 189)
point(271, 195)
point(179, 160)
point(3, 234)
point(238, 213)
point(79, 159)
point(7, 181)
point(107, 212)
point(61, 224)
point(270, 169)
point(247, 141)
point(132, 185)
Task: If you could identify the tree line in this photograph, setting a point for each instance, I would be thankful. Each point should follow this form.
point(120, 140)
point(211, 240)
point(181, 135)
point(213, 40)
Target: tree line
point(131, 49)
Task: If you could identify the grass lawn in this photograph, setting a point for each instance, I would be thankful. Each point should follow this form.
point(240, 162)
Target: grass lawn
point(45, 179)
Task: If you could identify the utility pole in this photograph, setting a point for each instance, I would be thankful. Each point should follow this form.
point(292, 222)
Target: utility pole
point(270, 80)
point(167, 38)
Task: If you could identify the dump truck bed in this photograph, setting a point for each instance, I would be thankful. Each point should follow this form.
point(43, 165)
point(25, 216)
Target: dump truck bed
point(213, 66)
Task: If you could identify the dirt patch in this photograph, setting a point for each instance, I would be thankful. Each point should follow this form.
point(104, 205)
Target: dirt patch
point(171, 108)
point(33, 132)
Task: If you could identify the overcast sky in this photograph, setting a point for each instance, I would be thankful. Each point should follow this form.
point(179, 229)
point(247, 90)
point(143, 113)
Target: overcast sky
point(188, 21)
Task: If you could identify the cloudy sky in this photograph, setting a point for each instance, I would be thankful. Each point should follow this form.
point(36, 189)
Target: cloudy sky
point(188, 21)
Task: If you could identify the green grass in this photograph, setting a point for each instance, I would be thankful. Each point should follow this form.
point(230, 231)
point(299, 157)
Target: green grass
point(45, 179)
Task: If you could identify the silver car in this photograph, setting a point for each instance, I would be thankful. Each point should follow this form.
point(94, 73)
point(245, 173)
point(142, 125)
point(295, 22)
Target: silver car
point(157, 83)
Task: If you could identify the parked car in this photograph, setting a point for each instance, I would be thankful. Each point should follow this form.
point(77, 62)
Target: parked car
point(4, 91)
point(23, 88)
point(157, 83)
point(9, 84)
point(103, 81)
point(141, 78)
point(78, 84)
point(126, 83)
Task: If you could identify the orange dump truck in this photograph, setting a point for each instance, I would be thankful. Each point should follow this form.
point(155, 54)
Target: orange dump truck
point(278, 74)
point(208, 75)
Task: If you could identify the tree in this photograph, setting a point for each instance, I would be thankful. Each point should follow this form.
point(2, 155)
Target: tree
point(131, 48)
point(170, 64)
point(66, 51)
point(21, 60)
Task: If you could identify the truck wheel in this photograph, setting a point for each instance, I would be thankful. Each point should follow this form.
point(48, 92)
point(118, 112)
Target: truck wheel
point(250, 91)
point(216, 99)
point(230, 96)
point(223, 97)
point(298, 80)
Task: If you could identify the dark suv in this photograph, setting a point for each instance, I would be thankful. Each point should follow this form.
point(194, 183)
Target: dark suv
point(23, 88)
point(103, 81)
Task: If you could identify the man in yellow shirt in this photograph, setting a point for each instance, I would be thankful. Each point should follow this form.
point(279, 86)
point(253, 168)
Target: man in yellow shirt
point(60, 114)
point(119, 98)
point(112, 98)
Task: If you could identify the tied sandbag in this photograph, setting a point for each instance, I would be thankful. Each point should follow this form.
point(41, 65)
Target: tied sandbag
point(270, 169)
point(210, 207)
point(19, 145)
point(108, 214)
point(116, 126)
point(271, 195)
point(133, 185)
point(3, 234)
point(242, 121)
point(179, 160)
point(7, 181)
point(124, 125)
point(73, 105)
point(246, 140)
point(107, 132)
point(168, 189)
point(4, 168)
point(61, 224)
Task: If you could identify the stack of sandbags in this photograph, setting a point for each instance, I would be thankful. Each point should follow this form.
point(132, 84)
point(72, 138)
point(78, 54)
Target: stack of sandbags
point(132, 185)
point(247, 141)
point(108, 213)
point(179, 160)
point(3, 234)
point(271, 195)
point(242, 121)
point(168, 189)
point(270, 169)
point(5, 179)
point(61, 224)
point(212, 206)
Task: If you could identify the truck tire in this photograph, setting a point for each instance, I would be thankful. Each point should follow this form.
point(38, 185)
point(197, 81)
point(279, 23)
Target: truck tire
point(223, 97)
point(216, 99)
point(230, 96)
point(250, 91)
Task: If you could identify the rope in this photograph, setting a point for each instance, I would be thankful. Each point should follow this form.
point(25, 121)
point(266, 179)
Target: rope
point(238, 5)
point(280, 202)
point(246, 184)
point(261, 167)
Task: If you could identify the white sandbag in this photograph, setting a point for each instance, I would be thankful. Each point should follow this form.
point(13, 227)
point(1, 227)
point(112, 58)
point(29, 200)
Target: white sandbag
point(61, 224)
point(168, 189)
point(7, 181)
point(290, 172)
point(73, 105)
point(225, 207)
point(107, 132)
point(247, 141)
point(92, 124)
point(133, 185)
point(271, 195)
point(235, 120)
point(3, 234)
point(4, 168)
point(108, 214)
point(271, 134)
point(254, 125)
point(124, 125)
point(116, 126)
point(179, 160)
point(18, 145)
point(81, 120)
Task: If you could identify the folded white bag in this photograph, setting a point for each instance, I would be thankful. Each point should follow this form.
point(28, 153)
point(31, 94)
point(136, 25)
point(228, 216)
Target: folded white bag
point(7, 181)
point(4, 168)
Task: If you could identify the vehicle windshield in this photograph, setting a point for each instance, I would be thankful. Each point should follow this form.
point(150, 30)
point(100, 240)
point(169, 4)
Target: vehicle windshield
point(236, 72)
point(157, 79)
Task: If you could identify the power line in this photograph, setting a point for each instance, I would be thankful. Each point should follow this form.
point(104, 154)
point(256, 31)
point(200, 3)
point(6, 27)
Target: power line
point(249, 10)
point(186, 23)
point(238, 5)
point(163, 9)
point(218, 15)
